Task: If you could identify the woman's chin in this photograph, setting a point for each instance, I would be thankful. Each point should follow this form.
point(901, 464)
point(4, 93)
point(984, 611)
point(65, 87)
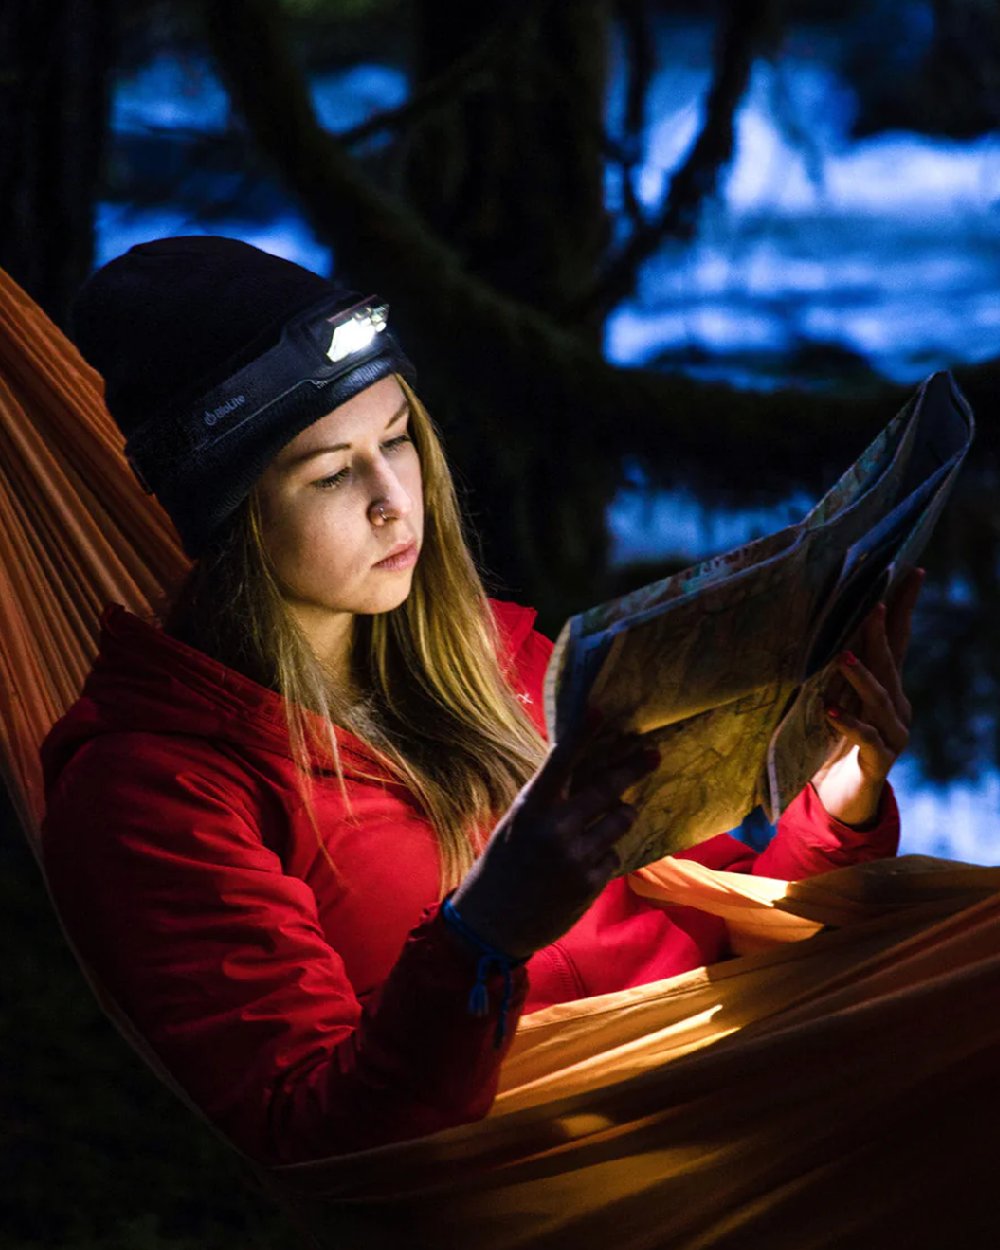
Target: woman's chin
point(392, 595)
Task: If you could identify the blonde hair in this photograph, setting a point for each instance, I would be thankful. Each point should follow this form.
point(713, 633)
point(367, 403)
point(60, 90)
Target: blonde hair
point(436, 706)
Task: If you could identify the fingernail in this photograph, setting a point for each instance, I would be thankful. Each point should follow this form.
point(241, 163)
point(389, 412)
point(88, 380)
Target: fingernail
point(849, 658)
point(833, 711)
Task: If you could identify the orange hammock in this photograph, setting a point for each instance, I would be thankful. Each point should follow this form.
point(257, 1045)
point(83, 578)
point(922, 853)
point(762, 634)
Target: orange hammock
point(835, 1092)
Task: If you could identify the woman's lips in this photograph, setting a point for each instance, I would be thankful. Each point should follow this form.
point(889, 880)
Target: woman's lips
point(403, 556)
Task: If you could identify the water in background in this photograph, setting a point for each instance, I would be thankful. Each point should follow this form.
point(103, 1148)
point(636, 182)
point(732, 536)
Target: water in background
point(880, 252)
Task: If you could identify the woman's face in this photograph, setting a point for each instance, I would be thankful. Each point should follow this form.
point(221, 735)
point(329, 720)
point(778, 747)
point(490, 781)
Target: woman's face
point(343, 515)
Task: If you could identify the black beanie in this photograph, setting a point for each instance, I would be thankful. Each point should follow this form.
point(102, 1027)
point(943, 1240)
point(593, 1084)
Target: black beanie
point(172, 321)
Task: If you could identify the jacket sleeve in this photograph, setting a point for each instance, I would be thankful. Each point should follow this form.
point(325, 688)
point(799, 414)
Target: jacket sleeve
point(808, 842)
point(218, 958)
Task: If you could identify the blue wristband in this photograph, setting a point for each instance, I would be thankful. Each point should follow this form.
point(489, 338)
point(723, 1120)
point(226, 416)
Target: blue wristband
point(489, 958)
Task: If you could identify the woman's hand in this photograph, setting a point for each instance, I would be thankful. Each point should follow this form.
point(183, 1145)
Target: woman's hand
point(553, 851)
point(850, 783)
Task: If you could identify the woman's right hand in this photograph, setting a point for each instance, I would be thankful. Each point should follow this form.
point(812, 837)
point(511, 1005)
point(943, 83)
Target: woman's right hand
point(553, 851)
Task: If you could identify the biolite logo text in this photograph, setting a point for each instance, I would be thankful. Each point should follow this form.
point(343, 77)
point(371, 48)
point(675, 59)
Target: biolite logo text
point(225, 409)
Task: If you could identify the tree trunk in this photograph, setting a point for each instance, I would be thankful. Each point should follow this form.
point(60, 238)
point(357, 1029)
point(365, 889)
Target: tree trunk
point(54, 94)
point(512, 176)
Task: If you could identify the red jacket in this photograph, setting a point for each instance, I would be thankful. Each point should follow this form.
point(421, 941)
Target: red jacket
point(309, 1011)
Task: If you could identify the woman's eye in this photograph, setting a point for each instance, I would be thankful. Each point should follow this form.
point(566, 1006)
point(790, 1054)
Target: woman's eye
point(335, 479)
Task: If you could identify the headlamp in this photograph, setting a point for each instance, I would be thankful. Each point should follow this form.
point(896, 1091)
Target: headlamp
point(315, 350)
point(356, 329)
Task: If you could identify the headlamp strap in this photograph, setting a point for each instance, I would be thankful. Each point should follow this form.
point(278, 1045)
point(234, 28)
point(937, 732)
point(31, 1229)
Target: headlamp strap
point(314, 350)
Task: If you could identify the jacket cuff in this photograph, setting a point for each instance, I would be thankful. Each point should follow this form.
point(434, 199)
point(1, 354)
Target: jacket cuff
point(433, 981)
point(875, 840)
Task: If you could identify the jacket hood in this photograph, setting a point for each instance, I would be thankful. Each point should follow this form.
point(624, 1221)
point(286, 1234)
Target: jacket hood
point(146, 681)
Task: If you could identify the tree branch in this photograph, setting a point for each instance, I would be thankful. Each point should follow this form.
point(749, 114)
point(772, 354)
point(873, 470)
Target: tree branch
point(742, 31)
point(470, 73)
point(634, 18)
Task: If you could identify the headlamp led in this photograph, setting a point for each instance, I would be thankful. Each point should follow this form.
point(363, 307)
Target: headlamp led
point(356, 329)
point(315, 350)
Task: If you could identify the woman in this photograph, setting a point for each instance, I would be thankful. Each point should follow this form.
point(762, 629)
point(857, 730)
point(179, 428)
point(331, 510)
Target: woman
point(256, 810)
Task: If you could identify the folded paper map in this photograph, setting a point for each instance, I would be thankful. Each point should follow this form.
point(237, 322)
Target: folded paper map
point(723, 666)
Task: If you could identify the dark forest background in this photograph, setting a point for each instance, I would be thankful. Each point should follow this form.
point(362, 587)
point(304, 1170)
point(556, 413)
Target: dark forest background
point(478, 207)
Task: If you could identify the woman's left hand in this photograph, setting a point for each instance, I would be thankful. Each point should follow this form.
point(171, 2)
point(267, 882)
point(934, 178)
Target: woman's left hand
point(850, 783)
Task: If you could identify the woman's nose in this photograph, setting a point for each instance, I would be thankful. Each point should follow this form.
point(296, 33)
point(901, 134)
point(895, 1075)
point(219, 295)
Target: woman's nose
point(390, 502)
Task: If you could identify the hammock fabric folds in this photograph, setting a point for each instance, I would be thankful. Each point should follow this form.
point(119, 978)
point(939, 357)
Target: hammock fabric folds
point(834, 1086)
